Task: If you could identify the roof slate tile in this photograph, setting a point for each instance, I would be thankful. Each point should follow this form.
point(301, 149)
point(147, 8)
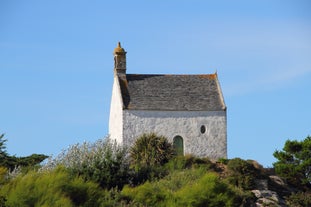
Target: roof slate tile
point(171, 92)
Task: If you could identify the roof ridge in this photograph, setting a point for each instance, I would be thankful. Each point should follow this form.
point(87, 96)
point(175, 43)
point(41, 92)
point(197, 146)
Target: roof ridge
point(173, 74)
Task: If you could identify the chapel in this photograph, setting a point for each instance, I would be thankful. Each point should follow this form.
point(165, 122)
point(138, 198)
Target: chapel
point(189, 110)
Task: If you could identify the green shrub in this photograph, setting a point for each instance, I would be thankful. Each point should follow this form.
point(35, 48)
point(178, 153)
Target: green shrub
point(177, 179)
point(196, 162)
point(160, 193)
point(52, 188)
point(3, 175)
point(2, 201)
point(300, 199)
point(192, 187)
point(207, 191)
point(176, 163)
point(103, 162)
point(146, 173)
point(242, 173)
point(189, 161)
point(150, 150)
point(147, 156)
point(223, 161)
point(147, 194)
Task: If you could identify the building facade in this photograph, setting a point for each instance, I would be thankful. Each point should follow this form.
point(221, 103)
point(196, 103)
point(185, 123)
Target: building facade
point(189, 110)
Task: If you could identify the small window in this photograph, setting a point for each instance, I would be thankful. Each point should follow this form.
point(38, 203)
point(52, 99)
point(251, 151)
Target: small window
point(203, 129)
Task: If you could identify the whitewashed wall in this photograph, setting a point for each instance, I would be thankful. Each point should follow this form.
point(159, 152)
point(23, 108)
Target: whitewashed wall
point(115, 118)
point(212, 144)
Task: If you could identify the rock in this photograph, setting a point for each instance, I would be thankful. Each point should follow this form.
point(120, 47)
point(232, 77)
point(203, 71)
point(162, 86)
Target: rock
point(261, 184)
point(256, 164)
point(268, 198)
point(277, 180)
point(277, 184)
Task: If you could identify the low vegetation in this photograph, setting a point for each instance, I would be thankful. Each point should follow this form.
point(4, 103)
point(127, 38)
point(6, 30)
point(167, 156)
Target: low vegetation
point(148, 174)
point(102, 162)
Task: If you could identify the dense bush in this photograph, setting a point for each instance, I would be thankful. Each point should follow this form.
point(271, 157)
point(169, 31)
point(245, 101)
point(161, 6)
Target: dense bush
point(208, 191)
point(242, 173)
point(3, 175)
point(146, 194)
point(189, 161)
point(150, 150)
point(193, 187)
point(146, 173)
point(2, 201)
point(300, 199)
point(51, 188)
point(148, 155)
point(103, 162)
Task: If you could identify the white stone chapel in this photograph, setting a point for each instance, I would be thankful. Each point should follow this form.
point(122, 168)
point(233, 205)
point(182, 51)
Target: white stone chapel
point(187, 109)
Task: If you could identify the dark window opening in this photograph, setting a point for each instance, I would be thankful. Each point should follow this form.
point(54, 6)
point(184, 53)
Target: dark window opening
point(203, 129)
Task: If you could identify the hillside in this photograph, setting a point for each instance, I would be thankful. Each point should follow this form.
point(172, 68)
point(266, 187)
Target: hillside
point(201, 182)
point(105, 174)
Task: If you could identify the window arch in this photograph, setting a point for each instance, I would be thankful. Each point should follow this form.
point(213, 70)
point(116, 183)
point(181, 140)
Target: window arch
point(178, 144)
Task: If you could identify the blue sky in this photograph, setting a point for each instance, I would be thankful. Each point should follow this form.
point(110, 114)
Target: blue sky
point(56, 66)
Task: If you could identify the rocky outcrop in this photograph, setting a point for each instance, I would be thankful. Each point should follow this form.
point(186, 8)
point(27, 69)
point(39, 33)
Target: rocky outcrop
point(271, 192)
point(268, 198)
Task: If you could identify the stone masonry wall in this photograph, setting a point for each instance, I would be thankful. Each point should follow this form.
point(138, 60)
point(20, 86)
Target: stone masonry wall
point(187, 124)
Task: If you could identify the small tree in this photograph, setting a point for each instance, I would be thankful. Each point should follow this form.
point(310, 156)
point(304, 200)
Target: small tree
point(11, 162)
point(294, 162)
point(3, 152)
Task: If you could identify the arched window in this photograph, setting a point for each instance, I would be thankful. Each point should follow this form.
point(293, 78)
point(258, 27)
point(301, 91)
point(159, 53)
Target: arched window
point(178, 144)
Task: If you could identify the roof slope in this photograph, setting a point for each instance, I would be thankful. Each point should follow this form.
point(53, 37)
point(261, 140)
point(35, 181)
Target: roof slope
point(171, 92)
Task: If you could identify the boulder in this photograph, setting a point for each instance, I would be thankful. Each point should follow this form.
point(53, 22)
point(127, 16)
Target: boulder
point(268, 198)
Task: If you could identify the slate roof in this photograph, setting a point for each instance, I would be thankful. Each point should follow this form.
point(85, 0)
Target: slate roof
point(171, 92)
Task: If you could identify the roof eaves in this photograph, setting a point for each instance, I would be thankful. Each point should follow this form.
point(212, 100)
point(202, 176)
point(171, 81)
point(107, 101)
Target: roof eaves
point(224, 107)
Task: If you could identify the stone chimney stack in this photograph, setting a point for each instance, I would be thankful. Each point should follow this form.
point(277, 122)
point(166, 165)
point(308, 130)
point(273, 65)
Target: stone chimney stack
point(119, 60)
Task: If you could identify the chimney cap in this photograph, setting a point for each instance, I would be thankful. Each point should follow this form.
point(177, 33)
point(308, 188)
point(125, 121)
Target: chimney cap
point(118, 49)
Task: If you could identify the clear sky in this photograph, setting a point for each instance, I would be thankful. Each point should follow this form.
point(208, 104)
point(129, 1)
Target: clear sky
point(56, 66)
